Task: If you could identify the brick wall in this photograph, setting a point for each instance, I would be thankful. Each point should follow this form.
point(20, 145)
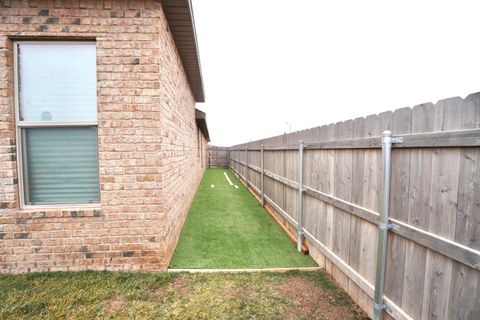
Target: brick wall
point(149, 169)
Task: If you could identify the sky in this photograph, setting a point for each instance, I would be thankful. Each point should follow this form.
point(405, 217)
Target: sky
point(271, 66)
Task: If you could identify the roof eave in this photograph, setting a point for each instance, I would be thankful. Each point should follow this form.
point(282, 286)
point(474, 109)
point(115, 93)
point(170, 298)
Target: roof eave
point(201, 120)
point(181, 22)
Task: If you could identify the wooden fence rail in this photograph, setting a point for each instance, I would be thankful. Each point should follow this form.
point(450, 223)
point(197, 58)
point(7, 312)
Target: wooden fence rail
point(447, 247)
point(433, 256)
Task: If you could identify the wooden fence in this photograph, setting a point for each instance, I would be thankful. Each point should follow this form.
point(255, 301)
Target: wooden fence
point(433, 257)
point(218, 157)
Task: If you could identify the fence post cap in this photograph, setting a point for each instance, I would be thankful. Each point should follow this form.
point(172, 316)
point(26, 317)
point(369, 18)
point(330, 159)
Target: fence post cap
point(387, 133)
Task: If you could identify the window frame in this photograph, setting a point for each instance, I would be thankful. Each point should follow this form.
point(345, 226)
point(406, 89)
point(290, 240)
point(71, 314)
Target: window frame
point(20, 125)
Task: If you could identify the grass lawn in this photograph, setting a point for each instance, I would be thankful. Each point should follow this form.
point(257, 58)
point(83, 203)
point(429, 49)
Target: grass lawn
point(109, 295)
point(227, 228)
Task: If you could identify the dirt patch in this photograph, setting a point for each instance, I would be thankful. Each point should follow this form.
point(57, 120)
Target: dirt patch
point(311, 302)
point(239, 293)
point(232, 292)
point(112, 305)
point(160, 293)
point(180, 286)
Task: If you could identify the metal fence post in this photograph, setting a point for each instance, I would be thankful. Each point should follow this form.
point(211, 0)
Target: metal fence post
point(246, 166)
point(262, 160)
point(300, 197)
point(383, 225)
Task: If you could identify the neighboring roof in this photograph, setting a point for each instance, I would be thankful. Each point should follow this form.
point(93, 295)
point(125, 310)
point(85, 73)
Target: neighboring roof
point(201, 119)
point(182, 25)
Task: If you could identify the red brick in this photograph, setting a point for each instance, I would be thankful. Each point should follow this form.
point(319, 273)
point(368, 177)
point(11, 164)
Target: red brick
point(148, 164)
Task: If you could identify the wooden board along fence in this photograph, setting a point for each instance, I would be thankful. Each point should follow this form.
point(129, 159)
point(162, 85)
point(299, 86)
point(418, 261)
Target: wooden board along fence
point(433, 256)
point(218, 157)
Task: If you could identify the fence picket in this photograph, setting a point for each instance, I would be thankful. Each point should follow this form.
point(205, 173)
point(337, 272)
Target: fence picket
point(433, 260)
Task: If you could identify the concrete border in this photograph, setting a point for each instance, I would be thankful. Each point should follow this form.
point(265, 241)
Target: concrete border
point(303, 269)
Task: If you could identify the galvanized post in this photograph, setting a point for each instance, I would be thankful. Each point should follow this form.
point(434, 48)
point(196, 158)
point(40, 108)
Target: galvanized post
point(262, 160)
point(300, 197)
point(383, 225)
point(246, 166)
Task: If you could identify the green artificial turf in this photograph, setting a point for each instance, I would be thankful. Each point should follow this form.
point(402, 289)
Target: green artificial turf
point(227, 228)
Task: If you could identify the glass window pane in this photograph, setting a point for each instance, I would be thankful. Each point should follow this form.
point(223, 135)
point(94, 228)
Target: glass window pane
point(61, 165)
point(57, 82)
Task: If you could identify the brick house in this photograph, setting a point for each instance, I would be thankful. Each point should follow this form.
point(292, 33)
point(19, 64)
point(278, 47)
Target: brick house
point(101, 147)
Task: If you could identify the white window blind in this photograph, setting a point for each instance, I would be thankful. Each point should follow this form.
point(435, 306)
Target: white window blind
point(57, 122)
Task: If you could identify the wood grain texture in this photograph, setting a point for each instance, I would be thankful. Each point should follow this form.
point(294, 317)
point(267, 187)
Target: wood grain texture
point(218, 157)
point(453, 138)
point(343, 190)
point(442, 212)
point(330, 134)
point(395, 267)
point(371, 200)
point(466, 280)
point(357, 256)
point(433, 261)
point(449, 248)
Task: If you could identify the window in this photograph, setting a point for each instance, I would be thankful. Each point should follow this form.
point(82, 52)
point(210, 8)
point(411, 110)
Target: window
point(56, 119)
